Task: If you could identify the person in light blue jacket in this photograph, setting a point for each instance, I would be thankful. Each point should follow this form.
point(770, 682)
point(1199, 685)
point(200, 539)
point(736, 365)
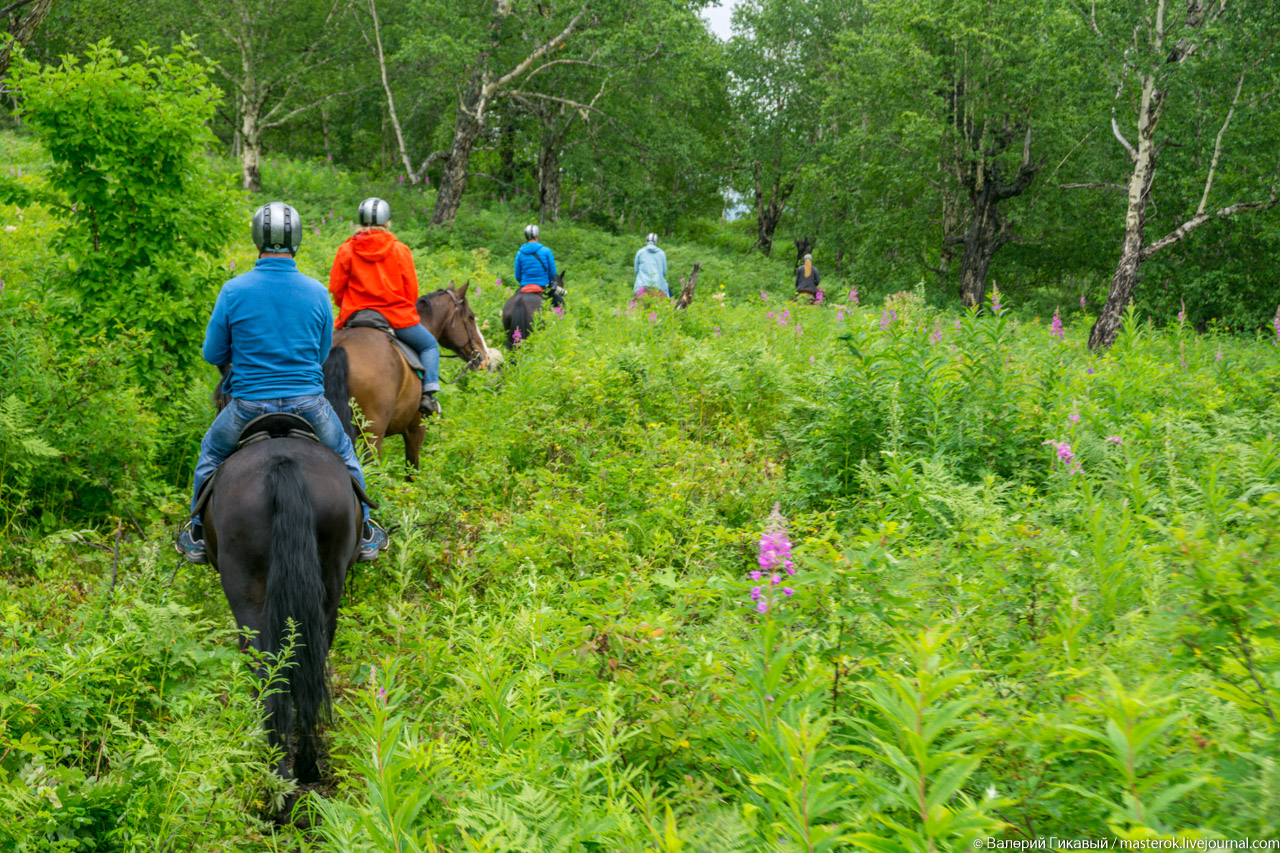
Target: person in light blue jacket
point(651, 269)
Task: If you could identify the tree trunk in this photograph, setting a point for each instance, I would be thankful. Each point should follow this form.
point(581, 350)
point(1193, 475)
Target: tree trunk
point(453, 179)
point(768, 213)
point(1128, 269)
point(250, 148)
point(686, 295)
point(985, 236)
point(22, 25)
point(549, 182)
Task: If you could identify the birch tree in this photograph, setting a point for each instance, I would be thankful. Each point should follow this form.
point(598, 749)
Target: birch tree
point(270, 53)
point(1193, 56)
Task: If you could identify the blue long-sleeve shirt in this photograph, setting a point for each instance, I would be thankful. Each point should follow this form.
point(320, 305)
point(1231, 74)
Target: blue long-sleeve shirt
point(274, 326)
point(535, 264)
point(651, 269)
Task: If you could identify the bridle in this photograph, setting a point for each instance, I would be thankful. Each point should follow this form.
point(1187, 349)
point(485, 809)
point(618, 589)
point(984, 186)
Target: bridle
point(474, 362)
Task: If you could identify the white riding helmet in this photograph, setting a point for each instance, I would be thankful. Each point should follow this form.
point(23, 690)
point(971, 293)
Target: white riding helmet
point(373, 211)
point(652, 238)
point(531, 232)
point(277, 228)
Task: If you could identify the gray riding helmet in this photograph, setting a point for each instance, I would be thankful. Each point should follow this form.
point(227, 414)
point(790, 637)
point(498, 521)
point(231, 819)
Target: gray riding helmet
point(373, 211)
point(277, 228)
point(531, 232)
point(652, 238)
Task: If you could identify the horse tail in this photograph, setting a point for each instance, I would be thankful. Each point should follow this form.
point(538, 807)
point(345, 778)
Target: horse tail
point(295, 591)
point(336, 370)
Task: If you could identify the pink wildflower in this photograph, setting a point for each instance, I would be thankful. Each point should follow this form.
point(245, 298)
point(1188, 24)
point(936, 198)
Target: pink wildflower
point(1055, 328)
point(1115, 439)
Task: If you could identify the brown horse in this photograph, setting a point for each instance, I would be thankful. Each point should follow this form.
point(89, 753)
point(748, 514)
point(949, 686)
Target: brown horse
point(366, 366)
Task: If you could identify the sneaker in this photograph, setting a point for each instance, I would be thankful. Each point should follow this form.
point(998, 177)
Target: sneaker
point(429, 405)
point(191, 547)
point(373, 540)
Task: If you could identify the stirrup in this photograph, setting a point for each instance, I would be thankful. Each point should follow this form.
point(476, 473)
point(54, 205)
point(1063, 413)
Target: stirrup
point(428, 404)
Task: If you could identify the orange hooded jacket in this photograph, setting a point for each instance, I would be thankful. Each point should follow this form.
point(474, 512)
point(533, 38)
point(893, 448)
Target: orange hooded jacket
point(375, 270)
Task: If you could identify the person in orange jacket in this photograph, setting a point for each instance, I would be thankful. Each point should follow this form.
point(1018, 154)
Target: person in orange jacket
point(375, 270)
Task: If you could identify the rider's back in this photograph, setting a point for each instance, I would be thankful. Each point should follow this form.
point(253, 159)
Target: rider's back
point(273, 325)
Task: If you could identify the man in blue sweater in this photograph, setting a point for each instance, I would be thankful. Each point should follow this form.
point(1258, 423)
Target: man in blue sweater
point(274, 326)
point(535, 265)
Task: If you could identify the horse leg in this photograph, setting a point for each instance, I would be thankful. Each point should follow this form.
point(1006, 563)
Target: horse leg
point(246, 595)
point(413, 438)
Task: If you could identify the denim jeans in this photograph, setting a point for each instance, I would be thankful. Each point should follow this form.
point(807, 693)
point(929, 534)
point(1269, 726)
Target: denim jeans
point(220, 441)
point(418, 337)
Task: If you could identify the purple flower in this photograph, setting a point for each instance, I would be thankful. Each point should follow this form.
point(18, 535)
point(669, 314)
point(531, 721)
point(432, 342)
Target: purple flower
point(1055, 328)
point(498, 283)
point(817, 299)
point(1115, 439)
point(1276, 324)
point(762, 607)
point(1182, 315)
point(516, 337)
point(1089, 370)
point(559, 309)
point(936, 337)
point(233, 264)
point(770, 315)
point(995, 299)
point(755, 576)
point(853, 295)
point(653, 316)
point(764, 297)
point(382, 694)
point(401, 179)
point(775, 580)
point(1074, 418)
point(1066, 456)
point(959, 325)
point(717, 331)
point(1218, 357)
point(756, 595)
point(840, 316)
point(811, 361)
point(328, 158)
point(788, 591)
point(1082, 300)
point(887, 318)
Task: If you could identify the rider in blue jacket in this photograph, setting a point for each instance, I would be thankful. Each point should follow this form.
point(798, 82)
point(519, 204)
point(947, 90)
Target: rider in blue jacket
point(535, 265)
point(274, 326)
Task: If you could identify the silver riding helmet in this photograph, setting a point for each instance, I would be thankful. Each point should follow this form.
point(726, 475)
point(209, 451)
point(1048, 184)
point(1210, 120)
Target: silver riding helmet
point(531, 232)
point(277, 228)
point(373, 211)
point(652, 238)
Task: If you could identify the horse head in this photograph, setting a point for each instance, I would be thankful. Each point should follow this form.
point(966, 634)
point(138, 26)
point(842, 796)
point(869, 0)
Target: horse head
point(449, 317)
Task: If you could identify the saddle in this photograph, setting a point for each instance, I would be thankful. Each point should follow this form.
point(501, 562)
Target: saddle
point(368, 318)
point(263, 428)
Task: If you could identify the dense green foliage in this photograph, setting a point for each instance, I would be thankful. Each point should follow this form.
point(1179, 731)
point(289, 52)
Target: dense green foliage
point(1035, 590)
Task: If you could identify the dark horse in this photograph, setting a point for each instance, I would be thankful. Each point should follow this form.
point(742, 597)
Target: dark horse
point(282, 525)
point(365, 365)
point(518, 312)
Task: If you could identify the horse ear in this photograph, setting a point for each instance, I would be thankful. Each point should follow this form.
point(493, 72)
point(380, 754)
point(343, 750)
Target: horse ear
point(462, 291)
point(450, 284)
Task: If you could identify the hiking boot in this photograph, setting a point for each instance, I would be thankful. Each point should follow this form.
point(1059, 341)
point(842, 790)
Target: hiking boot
point(191, 547)
point(429, 405)
point(373, 540)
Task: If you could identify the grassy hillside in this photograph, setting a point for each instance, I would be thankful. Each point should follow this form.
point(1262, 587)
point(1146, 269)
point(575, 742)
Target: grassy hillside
point(1034, 595)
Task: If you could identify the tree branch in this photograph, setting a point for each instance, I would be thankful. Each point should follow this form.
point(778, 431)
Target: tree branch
point(267, 125)
point(1217, 145)
point(547, 47)
point(1095, 185)
point(1201, 218)
point(520, 93)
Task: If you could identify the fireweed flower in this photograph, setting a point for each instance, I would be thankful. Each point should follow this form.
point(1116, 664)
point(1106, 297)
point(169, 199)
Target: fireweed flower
point(559, 309)
point(817, 299)
point(853, 295)
point(1115, 439)
point(936, 337)
point(1066, 456)
point(1182, 315)
point(764, 297)
point(1055, 328)
point(516, 337)
point(1276, 324)
point(887, 318)
point(1082, 300)
point(1074, 417)
point(774, 560)
point(995, 299)
point(653, 316)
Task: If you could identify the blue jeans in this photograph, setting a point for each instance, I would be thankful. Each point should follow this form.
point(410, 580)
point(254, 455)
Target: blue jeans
point(220, 441)
point(424, 342)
